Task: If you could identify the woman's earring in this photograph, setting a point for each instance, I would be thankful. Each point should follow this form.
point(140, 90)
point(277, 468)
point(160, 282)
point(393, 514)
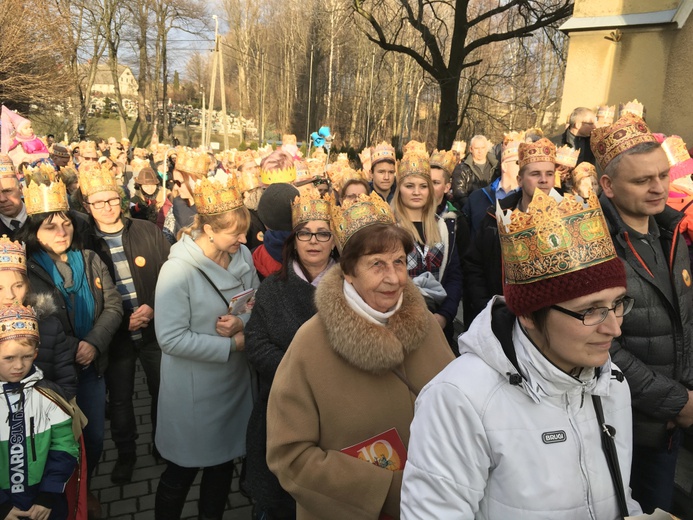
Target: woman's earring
point(211, 238)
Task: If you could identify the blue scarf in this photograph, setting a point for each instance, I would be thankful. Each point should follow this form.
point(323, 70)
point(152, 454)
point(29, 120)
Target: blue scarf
point(83, 311)
point(274, 242)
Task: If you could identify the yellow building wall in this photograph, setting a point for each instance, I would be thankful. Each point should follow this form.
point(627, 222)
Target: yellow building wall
point(588, 8)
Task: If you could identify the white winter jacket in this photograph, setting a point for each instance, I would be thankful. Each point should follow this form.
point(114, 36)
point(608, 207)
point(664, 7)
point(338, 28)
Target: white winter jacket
point(484, 448)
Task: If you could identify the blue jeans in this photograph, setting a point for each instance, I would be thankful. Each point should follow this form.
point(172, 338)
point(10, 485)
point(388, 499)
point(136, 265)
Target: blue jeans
point(91, 398)
point(652, 474)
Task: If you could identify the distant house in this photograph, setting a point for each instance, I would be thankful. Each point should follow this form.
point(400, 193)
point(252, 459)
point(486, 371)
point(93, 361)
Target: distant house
point(620, 50)
point(103, 82)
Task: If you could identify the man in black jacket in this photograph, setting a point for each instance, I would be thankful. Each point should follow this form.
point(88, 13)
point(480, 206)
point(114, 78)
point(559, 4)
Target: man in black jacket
point(134, 251)
point(655, 350)
point(580, 125)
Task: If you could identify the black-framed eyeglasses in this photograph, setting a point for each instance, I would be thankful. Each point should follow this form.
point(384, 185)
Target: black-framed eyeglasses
point(597, 315)
point(320, 236)
point(100, 204)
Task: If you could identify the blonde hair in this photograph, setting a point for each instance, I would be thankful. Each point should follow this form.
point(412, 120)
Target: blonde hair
point(238, 219)
point(428, 215)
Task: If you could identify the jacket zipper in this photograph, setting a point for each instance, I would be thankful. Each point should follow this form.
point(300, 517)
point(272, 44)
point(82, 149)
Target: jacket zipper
point(33, 441)
point(581, 452)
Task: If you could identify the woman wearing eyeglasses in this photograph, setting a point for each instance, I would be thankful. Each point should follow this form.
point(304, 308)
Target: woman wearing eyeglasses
point(284, 302)
point(533, 421)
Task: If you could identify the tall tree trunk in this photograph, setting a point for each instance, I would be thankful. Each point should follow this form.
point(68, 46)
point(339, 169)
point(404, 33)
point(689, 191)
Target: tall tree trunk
point(449, 110)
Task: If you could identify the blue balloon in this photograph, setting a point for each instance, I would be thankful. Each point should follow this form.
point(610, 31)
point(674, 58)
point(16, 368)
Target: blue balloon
point(318, 142)
point(314, 136)
point(324, 131)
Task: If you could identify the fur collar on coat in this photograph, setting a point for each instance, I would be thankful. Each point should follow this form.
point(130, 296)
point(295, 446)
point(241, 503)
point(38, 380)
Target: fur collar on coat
point(368, 346)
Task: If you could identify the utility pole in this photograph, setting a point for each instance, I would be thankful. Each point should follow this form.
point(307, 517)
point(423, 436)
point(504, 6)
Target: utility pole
point(203, 130)
point(370, 97)
point(310, 94)
point(262, 97)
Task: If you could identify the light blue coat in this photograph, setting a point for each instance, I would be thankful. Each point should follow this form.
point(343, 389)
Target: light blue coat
point(205, 397)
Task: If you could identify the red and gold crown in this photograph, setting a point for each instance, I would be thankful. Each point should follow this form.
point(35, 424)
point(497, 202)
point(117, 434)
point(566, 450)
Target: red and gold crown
point(193, 163)
point(567, 156)
point(609, 141)
point(7, 168)
point(632, 107)
point(444, 160)
point(218, 194)
point(17, 321)
point(383, 152)
point(415, 146)
point(582, 170)
point(316, 166)
point(340, 172)
point(12, 255)
point(542, 150)
point(94, 178)
point(45, 191)
point(310, 206)
point(557, 235)
point(414, 163)
point(357, 214)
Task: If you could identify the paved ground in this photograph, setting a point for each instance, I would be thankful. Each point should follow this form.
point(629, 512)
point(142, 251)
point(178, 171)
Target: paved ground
point(135, 501)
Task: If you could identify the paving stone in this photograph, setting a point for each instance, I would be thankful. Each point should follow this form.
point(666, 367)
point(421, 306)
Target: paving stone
point(136, 489)
point(122, 507)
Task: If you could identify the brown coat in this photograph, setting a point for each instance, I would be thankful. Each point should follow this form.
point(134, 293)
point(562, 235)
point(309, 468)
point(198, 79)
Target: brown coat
point(335, 388)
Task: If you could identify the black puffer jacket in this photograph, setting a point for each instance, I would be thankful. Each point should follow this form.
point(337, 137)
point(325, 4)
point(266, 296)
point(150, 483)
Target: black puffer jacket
point(108, 311)
point(56, 353)
point(483, 270)
point(655, 350)
point(281, 307)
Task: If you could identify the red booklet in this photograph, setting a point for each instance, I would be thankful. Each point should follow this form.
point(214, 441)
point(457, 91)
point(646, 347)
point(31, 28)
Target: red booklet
point(385, 450)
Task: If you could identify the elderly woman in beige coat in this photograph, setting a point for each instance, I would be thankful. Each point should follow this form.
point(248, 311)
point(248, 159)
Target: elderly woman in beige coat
point(343, 396)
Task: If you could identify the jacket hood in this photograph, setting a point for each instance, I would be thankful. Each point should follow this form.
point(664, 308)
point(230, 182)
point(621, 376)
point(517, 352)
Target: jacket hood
point(530, 370)
point(188, 251)
point(368, 346)
point(44, 304)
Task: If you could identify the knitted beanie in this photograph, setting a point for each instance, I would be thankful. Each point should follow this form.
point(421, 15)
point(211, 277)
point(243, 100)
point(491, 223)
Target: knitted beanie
point(274, 208)
point(524, 299)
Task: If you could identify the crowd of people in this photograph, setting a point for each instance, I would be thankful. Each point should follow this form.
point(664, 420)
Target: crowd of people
point(297, 317)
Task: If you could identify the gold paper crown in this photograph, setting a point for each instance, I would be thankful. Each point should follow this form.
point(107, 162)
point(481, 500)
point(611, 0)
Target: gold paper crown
point(632, 107)
point(676, 150)
point(17, 321)
point(287, 175)
point(302, 170)
point(319, 153)
point(309, 206)
point(42, 198)
point(289, 139)
point(7, 166)
point(606, 111)
point(357, 214)
point(193, 163)
point(96, 178)
point(246, 156)
point(608, 142)
point(567, 156)
point(413, 163)
point(247, 180)
point(513, 136)
point(12, 255)
point(444, 160)
point(365, 157)
point(340, 172)
point(316, 167)
point(414, 146)
point(137, 164)
point(383, 152)
point(582, 170)
point(459, 146)
point(542, 150)
point(215, 195)
point(141, 153)
point(511, 145)
point(557, 235)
